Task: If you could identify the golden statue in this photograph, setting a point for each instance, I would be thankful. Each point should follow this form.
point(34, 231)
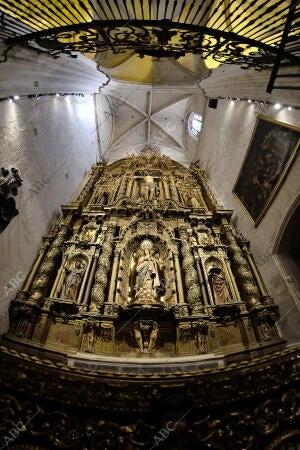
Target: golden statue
point(149, 187)
point(147, 276)
point(72, 281)
point(219, 286)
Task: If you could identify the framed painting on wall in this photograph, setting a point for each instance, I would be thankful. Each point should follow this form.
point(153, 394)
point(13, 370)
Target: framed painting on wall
point(271, 151)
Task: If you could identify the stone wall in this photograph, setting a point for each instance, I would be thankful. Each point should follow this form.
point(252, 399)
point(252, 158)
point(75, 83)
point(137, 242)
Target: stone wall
point(226, 136)
point(53, 143)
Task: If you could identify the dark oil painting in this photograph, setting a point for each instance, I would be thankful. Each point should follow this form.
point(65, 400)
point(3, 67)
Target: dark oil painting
point(272, 149)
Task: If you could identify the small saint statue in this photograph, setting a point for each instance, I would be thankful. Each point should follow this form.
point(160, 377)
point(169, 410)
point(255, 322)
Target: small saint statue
point(219, 286)
point(72, 281)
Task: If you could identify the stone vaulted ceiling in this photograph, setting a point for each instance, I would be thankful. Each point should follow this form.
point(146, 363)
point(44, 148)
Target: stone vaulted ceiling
point(144, 117)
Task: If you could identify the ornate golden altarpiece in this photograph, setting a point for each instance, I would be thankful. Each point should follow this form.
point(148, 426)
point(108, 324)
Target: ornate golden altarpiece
point(145, 303)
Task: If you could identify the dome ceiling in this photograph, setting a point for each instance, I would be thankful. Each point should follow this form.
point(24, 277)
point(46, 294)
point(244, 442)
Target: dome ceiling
point(130, 67)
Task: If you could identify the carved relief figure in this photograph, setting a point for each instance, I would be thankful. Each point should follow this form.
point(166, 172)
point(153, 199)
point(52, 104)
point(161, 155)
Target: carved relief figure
point(153, 336)
point(138, 336)
point(89, 338)
point(103, 198)
point(72, 282)
point(217, 240)
point(204, 235)
point(23, 328)
point(89, 233)
point(219, 286)
point(146, 334)
point(193, 202)
point(200, 337)
point(147, 277)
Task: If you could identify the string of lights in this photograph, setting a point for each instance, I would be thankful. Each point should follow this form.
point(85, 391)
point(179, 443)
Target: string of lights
point(276, 105)
point(12, 98)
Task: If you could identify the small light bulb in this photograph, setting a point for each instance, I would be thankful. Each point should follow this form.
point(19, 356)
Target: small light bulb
point(57, 95)
point(289, 108)
point(16, 97)
point(249, 101)
point(277, 106)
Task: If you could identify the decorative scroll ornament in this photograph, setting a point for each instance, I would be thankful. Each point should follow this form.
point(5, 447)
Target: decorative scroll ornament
point(153, 38)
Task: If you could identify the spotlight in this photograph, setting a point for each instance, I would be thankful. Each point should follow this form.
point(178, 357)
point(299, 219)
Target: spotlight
point(10, 100)
point(277, 106)
point(249, 101)
point(289, 108)
point(57, 95)
point(16, 97)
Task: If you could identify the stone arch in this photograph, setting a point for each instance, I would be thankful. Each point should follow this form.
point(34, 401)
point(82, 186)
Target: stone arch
point(286, 249)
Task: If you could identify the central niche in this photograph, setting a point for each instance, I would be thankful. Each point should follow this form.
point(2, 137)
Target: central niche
point(146, 280)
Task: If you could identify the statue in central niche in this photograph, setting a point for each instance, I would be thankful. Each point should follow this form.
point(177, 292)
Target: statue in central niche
point(147, 276)
point(149, 187)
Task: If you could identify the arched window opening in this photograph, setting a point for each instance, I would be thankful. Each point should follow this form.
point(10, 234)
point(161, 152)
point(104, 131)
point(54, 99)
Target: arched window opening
point(195, 125)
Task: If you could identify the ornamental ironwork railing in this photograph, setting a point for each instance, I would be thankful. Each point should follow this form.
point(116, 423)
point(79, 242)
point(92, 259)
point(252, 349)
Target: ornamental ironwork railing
point(225, 31)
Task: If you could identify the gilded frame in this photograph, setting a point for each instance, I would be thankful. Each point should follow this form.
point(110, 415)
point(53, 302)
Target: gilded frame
point(272, 149)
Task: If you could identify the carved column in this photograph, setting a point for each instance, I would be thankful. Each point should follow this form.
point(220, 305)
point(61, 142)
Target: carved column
point(206, 287)
point(231, 279)
point(129, 187)
point(113, 278)
point(31, 275)
point(101, 277)
point(122, 189)
point(261, 286)
point(178, 278)
point(202, 283)
point(43, 281)
point(91, 278)
point(245, 280)
point(89, 185)
point(191, 278)
point(135, 188)
point(201, 176)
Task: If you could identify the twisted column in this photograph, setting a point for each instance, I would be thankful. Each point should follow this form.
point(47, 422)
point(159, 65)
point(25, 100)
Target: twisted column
point(87, 189)
point(245, 281)
point(201, 176)
point(43, 281)
point(190, 273)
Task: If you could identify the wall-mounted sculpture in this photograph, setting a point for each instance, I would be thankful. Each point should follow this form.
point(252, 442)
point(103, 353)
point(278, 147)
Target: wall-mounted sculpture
point(10, 181)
